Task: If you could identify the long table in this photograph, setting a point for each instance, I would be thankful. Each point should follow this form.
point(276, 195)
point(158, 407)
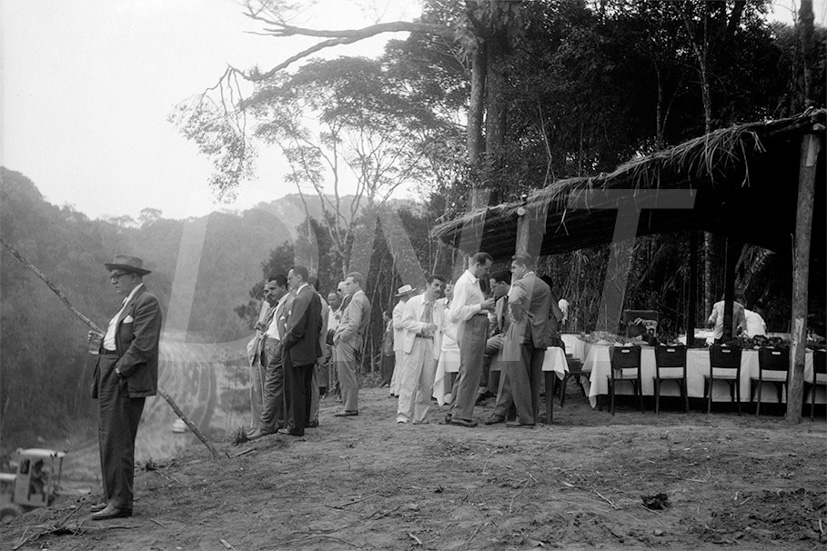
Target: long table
point(595, 359)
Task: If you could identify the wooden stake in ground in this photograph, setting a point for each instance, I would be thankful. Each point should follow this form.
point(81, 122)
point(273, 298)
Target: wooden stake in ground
point(95, 327)
point(810, 148)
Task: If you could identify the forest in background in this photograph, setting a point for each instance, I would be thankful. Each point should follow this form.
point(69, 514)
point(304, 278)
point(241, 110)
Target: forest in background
point(584, 85)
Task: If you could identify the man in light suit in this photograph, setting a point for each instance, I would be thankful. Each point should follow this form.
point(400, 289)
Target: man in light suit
point(125, 374)
point(301, 349)
point(255, 357)
point(422, 343)
point(348, 342)
point(403, 294)
point(524, 346)
point(273, 416)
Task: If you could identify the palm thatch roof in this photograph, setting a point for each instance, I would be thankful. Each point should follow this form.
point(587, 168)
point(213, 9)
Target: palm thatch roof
point(743, 182)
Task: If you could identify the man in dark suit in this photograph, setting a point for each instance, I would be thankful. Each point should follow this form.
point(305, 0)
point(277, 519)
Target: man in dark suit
point(525, 343)
point(301, 348)
point(125, 374)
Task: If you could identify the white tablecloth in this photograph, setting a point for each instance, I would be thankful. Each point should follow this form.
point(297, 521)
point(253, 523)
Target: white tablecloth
point(598, 365)
point(555, 360)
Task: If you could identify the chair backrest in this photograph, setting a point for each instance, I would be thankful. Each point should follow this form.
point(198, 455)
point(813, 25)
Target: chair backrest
point(670, 356)
point(819, 361)
point(625, 357)
point(724, 357)
point(774, 359)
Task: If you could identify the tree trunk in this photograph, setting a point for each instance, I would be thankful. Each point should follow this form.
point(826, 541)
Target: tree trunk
point(808, 53)
point(476, 105)
point(810, 147)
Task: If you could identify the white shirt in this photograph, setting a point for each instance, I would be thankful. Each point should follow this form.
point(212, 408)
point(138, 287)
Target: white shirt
point(563, 304)
point(755, 323)
point(273, 328)
point(468, 298)
point(109, 337)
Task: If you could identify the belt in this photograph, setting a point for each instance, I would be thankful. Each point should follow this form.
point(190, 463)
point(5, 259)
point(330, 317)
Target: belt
point(109, 352)
point(424, 337)
point(481, 313)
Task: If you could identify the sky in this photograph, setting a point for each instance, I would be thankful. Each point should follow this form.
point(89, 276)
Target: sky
point(88, 85)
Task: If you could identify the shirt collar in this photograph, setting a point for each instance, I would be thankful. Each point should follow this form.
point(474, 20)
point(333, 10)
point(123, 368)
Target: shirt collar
point(132, 293)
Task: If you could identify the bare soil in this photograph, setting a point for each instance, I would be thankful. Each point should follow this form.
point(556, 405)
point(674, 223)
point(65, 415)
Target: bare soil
point(712, 482)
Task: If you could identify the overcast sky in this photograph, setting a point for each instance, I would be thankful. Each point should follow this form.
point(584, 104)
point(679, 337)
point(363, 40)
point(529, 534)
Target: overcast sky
point(87, 86)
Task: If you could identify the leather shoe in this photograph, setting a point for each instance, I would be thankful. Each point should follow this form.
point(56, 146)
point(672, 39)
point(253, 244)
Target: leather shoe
point(259, 433)
point(110, 511)
point(313, 424)
point(98, 507)
point(291, 432)
point(346, 413)
point(463, 422)
point(494, 419)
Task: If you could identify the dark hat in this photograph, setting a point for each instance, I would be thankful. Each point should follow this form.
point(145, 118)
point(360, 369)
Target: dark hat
point(127, 263)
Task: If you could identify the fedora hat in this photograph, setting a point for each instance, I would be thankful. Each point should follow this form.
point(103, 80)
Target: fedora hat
point(404, 290)
point(128, 263)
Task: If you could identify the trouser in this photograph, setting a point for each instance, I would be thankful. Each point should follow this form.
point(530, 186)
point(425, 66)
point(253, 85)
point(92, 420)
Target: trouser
point(520, 385)
point(348, 375)
point(492, 348)
point(273, 413)
point(298, 382)
point(399, 360)
point(258, 369)
point(118, 420)
point(417, 381)
point(388, 367)
point(471, 348)
point(314, 394)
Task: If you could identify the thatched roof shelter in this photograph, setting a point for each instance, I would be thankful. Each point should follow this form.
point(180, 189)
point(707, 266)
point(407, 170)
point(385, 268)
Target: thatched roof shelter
point(744, 181)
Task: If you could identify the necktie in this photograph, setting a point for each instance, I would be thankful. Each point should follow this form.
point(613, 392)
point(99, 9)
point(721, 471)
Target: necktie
point(427, 312)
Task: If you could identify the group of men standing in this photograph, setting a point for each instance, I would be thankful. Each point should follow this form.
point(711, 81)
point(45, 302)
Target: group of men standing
point(521, 315)
point(299, 336)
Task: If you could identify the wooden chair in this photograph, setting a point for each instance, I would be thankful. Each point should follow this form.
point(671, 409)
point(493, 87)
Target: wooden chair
point(575, 371)
point(668, 359)
point(819, 368)
point(623, 360)
point(774, 360)
point(724, 365)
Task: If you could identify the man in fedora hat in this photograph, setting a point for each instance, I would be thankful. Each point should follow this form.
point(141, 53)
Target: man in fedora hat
point(403, 294)
point(125, 374)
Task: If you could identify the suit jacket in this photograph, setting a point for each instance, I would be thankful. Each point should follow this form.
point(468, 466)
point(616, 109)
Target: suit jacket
point(303, 327)
point(413, 326)
point(529, 303)
point(499, 322)
point(354, 322)
point(137, 337)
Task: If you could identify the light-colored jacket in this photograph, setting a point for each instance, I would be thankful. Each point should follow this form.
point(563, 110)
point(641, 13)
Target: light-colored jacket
point(354, 322)
point(398, 330)
point(413, 326)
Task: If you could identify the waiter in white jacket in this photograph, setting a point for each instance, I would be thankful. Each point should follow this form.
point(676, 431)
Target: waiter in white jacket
point(422, 321)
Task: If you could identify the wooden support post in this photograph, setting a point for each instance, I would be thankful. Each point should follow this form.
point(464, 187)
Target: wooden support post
point(523, 229)
point(810, 148)
point(733, 251)
point(692, 306)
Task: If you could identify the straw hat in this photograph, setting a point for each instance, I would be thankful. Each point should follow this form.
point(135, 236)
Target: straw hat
point(404, 290)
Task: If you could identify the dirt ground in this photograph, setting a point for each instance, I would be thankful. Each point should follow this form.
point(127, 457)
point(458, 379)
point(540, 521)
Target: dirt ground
point(721, 481)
